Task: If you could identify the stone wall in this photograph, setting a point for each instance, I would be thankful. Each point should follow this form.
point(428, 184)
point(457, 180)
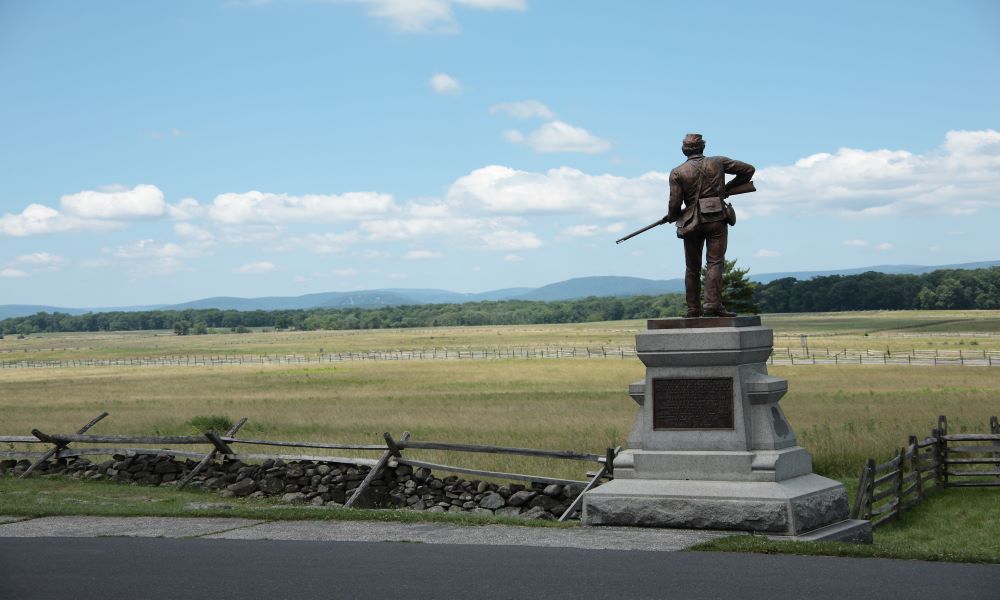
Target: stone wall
point(323, 484)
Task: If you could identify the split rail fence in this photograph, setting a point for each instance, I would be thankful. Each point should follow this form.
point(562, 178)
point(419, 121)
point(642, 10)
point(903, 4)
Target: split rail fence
point(780, 356)
point(940, 461)
point(222, 449)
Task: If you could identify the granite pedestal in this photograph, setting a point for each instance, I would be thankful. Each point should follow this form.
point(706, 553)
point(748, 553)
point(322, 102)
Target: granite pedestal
point(711, 448)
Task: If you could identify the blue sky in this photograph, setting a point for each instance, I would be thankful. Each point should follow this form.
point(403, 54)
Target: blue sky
point(165, 151)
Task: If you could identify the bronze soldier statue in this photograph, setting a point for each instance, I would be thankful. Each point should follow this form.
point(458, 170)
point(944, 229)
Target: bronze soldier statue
point(700, 185)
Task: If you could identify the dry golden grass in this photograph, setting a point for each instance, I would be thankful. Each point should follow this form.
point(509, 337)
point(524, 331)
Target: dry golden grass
point(876, 330)
point(842, 414)
point(559, 404)
point(845, 414)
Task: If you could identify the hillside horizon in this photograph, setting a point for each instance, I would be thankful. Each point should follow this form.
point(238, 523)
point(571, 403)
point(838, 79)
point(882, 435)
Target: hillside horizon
point(569, 289)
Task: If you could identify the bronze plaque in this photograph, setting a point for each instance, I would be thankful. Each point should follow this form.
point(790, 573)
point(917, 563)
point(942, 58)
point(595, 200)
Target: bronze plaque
point(693, 403)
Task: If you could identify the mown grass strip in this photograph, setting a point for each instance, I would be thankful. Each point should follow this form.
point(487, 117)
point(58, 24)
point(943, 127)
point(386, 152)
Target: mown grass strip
point(58, 496)
point(951, 525)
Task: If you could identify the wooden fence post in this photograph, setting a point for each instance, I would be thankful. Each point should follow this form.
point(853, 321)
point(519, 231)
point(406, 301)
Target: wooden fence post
point(392, 450)
point(860, 493)
point(869, 488)
point(608, 468)
point(995, 430)
point(899, 481)
point(915, 467)
point(942, 446)
point(210, 456)
point(59, 446)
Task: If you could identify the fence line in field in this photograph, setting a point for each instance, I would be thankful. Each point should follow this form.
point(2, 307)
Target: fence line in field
point(886, 490)
point(497, 353)
point(222, 449)
point(780, 356)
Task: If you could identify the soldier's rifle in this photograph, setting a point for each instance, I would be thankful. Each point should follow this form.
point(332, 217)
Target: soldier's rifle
point(745, 188)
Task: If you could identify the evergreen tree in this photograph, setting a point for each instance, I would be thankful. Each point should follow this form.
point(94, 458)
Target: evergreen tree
point(737, 289)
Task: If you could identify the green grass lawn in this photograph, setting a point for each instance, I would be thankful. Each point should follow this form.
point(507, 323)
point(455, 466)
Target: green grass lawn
point(53, 496)
point(956, 525)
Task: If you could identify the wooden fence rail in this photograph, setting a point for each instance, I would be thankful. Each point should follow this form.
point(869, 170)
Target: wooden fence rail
point(779, 356)
point(222, 449)
point(887, 489)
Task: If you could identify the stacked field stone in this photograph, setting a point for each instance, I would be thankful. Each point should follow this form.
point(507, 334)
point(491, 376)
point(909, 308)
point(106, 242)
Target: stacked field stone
point(323, 484)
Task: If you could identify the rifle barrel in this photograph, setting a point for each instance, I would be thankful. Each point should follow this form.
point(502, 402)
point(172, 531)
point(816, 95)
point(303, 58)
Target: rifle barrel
point(644, 229)
point(746, 188)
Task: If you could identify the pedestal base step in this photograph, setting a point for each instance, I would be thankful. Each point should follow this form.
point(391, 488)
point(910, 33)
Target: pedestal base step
point(857, 531)
point(793, 507)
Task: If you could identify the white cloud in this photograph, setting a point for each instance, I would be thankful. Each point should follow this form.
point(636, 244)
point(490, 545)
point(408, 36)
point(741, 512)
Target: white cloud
point(884, 246)
point(12, 273)
point(372, 254)
point(430, 16)
point(421, 255)
point(348, 272)
point(186, 209)
point(510, 239)
point(148, 258)
point(192, 232)
point(37, 219)
point(592, 230)
point(764, 253)
point(248, 233)
point(473, 232)
point(559, 136)
point(141, 202)
point(498, 189)
point(39, 260)
point(442, 83)
point(255, 267)
point(409, 229)
point(147, 248)
point(262, 207)
point(959, 178)
point(102, 209)
point(396, 275)
point(321, 243)
point(513, 258)
point(166, 265)
point(581, 230)
point(524, 109)
point(855, 243)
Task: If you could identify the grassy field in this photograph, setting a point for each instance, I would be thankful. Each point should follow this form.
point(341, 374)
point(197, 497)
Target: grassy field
point(896, 330)
point(842, 414)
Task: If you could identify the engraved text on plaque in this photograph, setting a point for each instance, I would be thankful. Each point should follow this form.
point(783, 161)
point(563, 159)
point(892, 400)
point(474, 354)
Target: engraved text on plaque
point(693, 403)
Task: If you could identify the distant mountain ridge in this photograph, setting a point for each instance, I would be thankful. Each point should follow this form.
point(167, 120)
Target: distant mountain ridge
point(570, 289)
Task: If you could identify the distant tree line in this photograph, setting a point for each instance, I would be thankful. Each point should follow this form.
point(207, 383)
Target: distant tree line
point(945, 289)
point(508, 312)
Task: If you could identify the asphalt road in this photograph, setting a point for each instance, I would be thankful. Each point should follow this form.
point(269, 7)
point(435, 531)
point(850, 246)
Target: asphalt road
point(151, 568)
